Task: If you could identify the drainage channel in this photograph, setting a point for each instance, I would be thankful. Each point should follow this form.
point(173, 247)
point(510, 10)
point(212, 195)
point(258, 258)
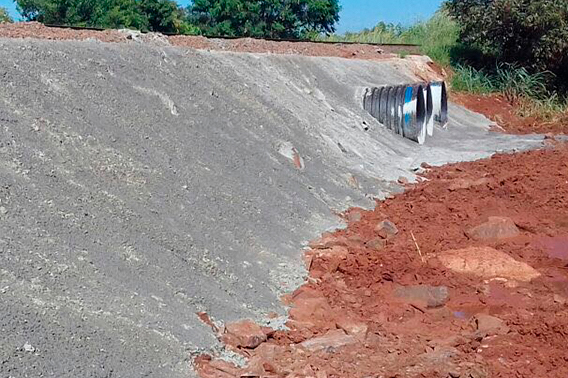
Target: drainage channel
point(410, 110)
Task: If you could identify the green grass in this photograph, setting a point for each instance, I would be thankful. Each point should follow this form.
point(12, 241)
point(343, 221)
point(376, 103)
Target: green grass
point(468, 79)
point(527, 91)
point(437, 36)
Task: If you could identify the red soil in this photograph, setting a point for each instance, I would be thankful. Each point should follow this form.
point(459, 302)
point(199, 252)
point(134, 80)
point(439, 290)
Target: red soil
point(352, 284)
point(355, 51)
point(502, 112)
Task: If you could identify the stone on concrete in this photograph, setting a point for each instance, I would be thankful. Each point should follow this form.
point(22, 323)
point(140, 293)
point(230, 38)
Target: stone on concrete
point(487, 262)
point(494, 228)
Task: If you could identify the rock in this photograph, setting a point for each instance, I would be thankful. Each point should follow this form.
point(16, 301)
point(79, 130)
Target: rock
point(487, 262)
point(376, 243)
point(464, 183)
point(386, 229)
point(310, 310)
point(354, 240)
point(247, 333)
point(423, 295)
point(328, 240)
point(494, 228)
point(331, 340)
point(269, 351)
point(402, 180)
point(559, 299)
point(490, 325)
point(3, 210)
point(354, 216)
point(28, 348)
point(353, 327)
point(335, 251)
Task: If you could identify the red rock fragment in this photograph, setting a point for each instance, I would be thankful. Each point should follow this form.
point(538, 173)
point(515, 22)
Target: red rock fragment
point(333, 339)
point(352, 327)
point(246, 333)
point(386, 229)
point(494, 228)
point(490, 325)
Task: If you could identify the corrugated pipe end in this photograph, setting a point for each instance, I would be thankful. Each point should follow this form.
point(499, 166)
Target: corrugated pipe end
point(440, 103)
point(409, 110)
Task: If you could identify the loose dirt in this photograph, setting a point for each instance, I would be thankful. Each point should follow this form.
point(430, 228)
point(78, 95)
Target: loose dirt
point(352, 51)
point(388, 307)
point(504, 114)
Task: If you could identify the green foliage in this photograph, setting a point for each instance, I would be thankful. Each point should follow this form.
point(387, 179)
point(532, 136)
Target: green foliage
point(469, 79)
point(516, 83)
point(528, 33)
point(437, 36)
point(5, 16)
point(265, 18)
point(146, 15)
point(527, 91)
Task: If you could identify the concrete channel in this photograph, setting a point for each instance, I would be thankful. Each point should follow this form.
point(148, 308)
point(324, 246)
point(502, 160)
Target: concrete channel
point(142, 184)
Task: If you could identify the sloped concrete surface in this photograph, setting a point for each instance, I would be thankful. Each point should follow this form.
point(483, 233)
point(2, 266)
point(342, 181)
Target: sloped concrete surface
point(142, 184)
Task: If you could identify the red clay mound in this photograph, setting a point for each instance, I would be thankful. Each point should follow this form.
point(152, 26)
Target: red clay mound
point(427, 300)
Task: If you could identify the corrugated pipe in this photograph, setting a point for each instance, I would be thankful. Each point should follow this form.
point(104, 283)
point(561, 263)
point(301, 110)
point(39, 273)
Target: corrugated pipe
point(409, 110)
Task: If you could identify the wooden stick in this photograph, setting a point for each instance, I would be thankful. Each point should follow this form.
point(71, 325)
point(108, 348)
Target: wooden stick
point(417, 247)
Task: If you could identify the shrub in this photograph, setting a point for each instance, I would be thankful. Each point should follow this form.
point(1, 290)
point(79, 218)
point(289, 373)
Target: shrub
point(528, 33)
point(265, 18)
point(5, 16)
point(144, 15)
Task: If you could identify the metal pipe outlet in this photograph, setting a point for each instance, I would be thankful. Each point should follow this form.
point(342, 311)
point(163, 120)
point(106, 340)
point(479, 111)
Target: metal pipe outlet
point(440, 102)
point(409, 110)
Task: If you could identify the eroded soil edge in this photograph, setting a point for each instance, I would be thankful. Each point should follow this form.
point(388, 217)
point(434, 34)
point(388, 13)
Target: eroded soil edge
point(471, 282)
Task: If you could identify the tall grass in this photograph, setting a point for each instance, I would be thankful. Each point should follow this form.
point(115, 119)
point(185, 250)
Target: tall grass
point(437, 36)
point(527, 91)
point(469, 79)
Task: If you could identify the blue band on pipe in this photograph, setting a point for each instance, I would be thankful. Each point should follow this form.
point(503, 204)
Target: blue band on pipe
point(408, 94)
point(407, 99)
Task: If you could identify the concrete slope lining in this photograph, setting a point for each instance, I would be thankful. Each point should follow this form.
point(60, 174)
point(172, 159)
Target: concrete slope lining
point(143, 184)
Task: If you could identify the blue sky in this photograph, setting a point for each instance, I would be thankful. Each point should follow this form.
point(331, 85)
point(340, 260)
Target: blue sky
point(356, 14)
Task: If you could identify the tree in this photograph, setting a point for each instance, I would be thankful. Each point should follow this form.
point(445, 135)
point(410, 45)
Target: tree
point(528, 33)
point(5, 16)
point(265, 18)
point(145, 15)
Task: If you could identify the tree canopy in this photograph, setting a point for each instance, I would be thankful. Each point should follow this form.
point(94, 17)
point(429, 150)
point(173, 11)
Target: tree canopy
point(146, 15)
point(5, 16)
point(529, 33)
point(265, 18)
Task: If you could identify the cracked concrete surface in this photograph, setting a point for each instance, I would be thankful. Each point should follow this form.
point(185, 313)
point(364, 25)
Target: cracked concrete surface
point(142, 184)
